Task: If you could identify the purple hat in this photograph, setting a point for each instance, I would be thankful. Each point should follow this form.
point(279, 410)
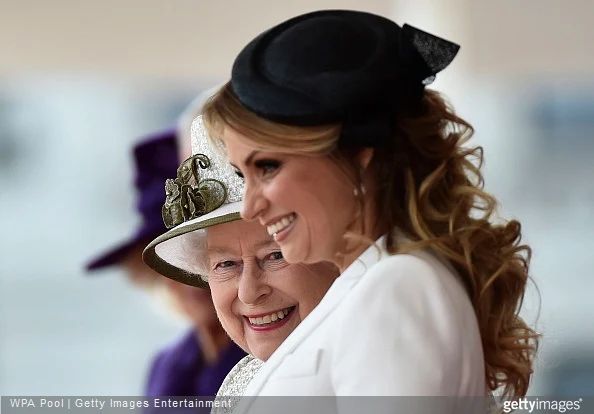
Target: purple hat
point(156, 159)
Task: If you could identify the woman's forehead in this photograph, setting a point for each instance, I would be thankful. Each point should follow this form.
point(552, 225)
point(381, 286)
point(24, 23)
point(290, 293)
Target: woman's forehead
point(237, 147)
point(238, 237)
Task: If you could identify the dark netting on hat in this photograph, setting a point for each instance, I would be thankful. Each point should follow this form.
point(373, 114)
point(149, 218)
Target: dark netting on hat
point(435, 52)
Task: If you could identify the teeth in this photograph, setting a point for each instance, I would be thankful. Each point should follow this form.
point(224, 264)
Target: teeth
point(273, 317)
point(281, 224)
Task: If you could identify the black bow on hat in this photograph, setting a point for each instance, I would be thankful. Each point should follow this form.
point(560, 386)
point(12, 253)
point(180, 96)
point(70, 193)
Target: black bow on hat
point(339, 66)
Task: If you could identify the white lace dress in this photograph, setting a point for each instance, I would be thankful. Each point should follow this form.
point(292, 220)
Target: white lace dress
point(235, 383)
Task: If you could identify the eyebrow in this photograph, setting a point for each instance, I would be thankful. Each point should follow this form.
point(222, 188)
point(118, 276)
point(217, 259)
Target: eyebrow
point(265, 243)
point(219, 250)
point(248, 160)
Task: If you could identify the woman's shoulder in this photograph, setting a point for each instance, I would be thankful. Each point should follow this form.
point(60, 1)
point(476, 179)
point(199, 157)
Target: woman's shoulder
point(183, 350)
point(240, 376)
point(235, 383)
point(410, 307)
point(400, 268)
point(418, 276)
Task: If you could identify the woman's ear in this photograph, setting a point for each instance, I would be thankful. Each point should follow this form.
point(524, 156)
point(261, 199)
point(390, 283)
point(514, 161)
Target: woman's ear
point(364, 157)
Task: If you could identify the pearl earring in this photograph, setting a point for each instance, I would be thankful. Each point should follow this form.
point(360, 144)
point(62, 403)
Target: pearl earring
point(357, 193)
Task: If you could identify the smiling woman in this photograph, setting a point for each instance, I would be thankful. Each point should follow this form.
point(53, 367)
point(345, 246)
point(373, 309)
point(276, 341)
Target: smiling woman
point(348, 158)
point(259, 298)
point(274, 195)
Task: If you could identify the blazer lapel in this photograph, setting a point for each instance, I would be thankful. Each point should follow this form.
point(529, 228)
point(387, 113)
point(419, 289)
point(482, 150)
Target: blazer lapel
point(343, 284)
point(332, 298)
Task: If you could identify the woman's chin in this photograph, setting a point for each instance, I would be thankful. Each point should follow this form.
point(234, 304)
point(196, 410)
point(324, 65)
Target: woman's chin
point(263, 357)
point(263, 353)
point(293, 254)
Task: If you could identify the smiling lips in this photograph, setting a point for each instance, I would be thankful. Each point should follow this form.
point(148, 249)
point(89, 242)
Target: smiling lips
point(281, 224)
point(269, 319)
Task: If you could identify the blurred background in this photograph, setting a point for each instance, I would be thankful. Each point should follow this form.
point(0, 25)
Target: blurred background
point(82, 81)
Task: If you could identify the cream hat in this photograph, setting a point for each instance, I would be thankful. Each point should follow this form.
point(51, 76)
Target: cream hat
point(206, 192)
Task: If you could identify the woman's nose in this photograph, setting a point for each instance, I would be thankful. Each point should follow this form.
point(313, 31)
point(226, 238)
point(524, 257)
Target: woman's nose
point(253, 286)
point(254, 203)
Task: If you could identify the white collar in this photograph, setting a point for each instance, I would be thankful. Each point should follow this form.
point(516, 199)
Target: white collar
point(341, 286)
point(367, 259)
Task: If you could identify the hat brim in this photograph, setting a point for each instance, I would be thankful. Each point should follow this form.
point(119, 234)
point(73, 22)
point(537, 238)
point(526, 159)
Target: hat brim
point(164, 261)
point(117, 254)
point(111, 257)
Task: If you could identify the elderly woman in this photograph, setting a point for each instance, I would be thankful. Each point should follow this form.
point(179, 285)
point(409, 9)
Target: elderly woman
point(348, 158)
point(259, 298)
point(197, 362)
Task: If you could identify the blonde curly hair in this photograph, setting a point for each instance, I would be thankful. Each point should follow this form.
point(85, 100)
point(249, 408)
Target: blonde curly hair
point(430, 187)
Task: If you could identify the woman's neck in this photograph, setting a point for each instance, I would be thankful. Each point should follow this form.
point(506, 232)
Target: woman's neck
point(358, 246)
point(213, 341)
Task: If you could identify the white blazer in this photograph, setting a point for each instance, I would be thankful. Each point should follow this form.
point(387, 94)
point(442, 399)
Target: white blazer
point(390, 325)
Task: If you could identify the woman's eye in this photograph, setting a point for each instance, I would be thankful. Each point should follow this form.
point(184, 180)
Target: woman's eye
point(224, 266)
point(267, 167)
point(239, 174)
point(276, 256)
point(274, 261)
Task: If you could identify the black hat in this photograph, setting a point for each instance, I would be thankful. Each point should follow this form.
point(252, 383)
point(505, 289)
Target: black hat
point(338, 66)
